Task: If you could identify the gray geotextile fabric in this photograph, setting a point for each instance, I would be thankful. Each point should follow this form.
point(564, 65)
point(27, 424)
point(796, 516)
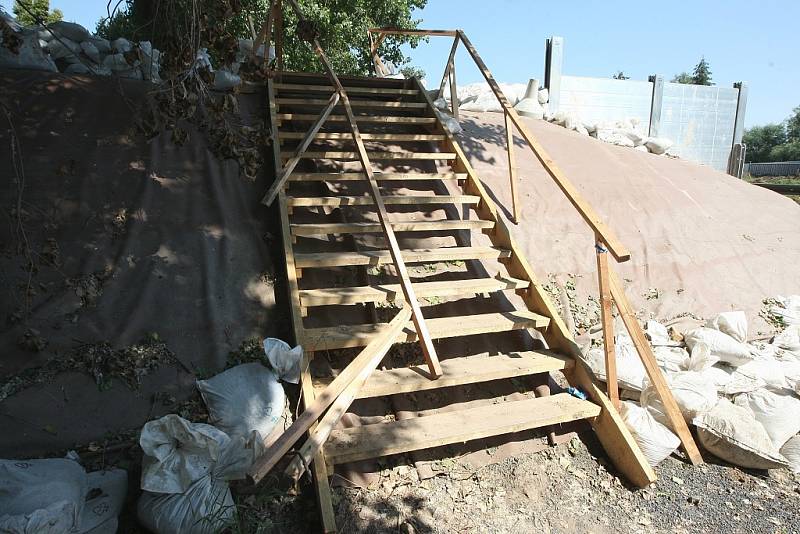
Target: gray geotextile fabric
point(131, 239)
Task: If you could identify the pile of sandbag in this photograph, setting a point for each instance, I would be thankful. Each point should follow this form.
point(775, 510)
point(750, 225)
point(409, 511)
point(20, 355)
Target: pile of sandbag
point(227, 76)
point(70, 48)
point(743, 397)
point(187, 466)
point(627, 132)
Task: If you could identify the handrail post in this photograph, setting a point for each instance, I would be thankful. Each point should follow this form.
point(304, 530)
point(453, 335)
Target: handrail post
point(453, 91)
point(607, 320)
point(512, 175)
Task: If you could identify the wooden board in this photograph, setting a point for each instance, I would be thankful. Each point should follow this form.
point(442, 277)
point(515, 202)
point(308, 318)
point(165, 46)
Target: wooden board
point(338, 154)
point(372, 441)
point(458, 372)
point(388, 200)
point(380, 176)
point(388, 119)
point(354, 103)
point(374, 228)
point(378, 136)
point(309, 88)
point(393, 292)
point(346, 336)
point(382, 257)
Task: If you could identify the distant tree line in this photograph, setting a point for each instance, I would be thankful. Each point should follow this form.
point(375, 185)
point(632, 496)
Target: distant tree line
point(31, 11)
point(774, 142)
point(701, 75)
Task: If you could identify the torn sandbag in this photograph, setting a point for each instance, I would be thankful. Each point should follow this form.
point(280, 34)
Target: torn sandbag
point(692, 393)
point(722, 345)
point(244, 399)
point(104, 501)
point(284, 359)
point(185, 476)
point(631, 373)
point(777, 413)
point(731, 433)
point(732, 323)
point(654, 439)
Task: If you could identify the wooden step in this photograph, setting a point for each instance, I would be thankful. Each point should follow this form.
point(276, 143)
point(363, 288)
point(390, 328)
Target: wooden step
point(379, 136)
point(458, 372)
point(381, 257)
point(348, 89)
point(401, 226)
point(346, 336)
point(381, 119)
point(380, 176)
point(337, 154)
point(443, 428)
point(353, 103)
point(389, 200)
point(394, 293)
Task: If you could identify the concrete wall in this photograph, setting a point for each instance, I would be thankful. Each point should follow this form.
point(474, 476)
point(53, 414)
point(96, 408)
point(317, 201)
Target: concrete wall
point(704, 122)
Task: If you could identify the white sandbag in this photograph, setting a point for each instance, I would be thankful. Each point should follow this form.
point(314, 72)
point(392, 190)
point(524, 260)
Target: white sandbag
point(788, 309)
point(722, 345)
point(121, 45)
point(658, 334)
point(654, 439)
point(105, 498)
point(116, 62)
point(63, 48)
point(693, 394)
point(440, 103)
point(543, 96)
point(244, 398)
point(770, 371)
point(701, 358)
point(791, 451)
point(225, 80)
point(789, 339)
point(284, 359)
point(102, 45)
point(631, 373)
point(733, 434)
point(791, 374)
point(614, 138)
point(720, 375)
point(636, 138)
point(41, 496)
point(740, 383)
point(671, 359)
point(69, 30)
point(732, 323)
point(77, 68)
point(207, 507)
point(658, 145)
point(30, 54)
point(91, 51)
point(780, 414)
point(449, 122)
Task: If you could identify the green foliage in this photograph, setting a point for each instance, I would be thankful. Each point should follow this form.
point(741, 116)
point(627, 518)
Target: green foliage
point(761, 140)
point(793, 125)
point(786, 152)
point(683, 77)
point(412, 72)
point(702, 73)
point(123, 23)
point(37, 10)
point(621, 76)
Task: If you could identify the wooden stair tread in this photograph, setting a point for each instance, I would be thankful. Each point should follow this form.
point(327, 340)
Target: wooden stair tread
point(394, 293)
point(375, 227)
point(458, 372)
point(359, 118)
point(353, 103)
point(378, 136)
point(393, 176)
point(388, 200)
point(349, 89)
point(338, 154)
point(443, 428)
point(380, 257)
point(346, 336)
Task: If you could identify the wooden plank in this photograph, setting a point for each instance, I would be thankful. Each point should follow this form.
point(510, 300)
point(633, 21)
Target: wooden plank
point(338, 154)
point(347, 336)
point(391, 200)
point(672, 412)
point(453, 92)
point(368, 358)
point(607, 320)
point(420, 33)
point(265, 35)
point(380, 136)
point(377, 119)
point(512, 172)
point(316, 77)
point(615, 437)
point(450, 60)
point(458, 372)
point(460, 426)
point(380, 176)
point(376, 227)
point(353, 103)
point(309, 88)
point(393, 293)
point(584, 209)
point(299, 152)
point(382, 257)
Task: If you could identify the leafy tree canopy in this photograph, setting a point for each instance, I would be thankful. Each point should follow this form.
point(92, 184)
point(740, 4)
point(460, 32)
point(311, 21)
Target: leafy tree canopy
point(39, 9)
point(761, 140)
point(702, 73)
point(621, 76)
point(793, 125)
point(683, 77)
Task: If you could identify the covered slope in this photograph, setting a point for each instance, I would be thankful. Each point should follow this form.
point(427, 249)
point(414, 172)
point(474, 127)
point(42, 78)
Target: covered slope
point(701, 241)
point(131, 239)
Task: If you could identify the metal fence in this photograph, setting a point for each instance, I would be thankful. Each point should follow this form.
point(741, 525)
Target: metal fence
point(777, 168)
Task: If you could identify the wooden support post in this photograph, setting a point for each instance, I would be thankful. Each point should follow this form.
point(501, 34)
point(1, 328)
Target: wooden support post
point(607, 320)
point(450, 61)
point(380, 69)
point(279, 35)
point(453, 91)
point(375, 353)
point(512, 174)
point(673, 413)
point(281, 180)
point(265, 35)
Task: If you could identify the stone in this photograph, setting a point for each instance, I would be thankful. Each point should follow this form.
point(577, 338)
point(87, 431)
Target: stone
point(62, 48)
point(91, 51)
point(103, 45)
point(30, 54)
point(121, 45)
point(70, 30)
point(77, 68)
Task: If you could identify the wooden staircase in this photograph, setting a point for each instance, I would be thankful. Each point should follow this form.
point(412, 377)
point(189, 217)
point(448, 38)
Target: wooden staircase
point(340, 278)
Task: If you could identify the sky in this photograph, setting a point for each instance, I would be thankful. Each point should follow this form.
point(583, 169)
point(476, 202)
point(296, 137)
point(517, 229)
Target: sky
point(756, 42)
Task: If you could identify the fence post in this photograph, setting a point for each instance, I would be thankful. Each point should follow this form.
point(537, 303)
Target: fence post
point(737, 154)
point(553, 62)
point(656, 104)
